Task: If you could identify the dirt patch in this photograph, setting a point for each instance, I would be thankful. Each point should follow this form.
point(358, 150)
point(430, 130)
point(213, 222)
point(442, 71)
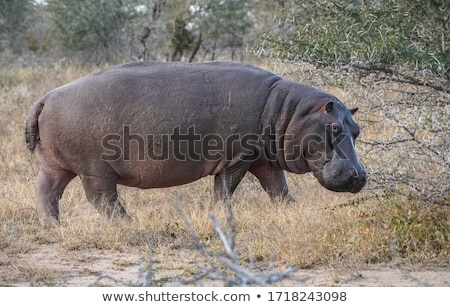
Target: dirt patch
point(51, 266)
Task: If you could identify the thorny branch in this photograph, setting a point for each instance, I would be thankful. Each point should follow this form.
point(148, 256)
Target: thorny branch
point(397, 76)
point(405, 143)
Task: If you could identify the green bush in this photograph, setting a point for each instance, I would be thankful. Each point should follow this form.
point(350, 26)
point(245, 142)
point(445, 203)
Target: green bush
point(374, 34)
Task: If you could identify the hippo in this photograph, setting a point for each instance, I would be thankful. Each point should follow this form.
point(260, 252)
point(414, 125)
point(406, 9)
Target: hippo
point(163, 124)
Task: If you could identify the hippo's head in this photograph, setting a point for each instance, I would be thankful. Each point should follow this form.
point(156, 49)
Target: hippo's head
point(328, 147)
point(334, 162)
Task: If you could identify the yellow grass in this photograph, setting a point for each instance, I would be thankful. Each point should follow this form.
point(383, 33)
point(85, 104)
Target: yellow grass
point(325, 228)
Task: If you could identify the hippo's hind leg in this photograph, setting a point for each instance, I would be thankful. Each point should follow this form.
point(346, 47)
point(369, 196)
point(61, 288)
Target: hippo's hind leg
point(50, 185)
point(102, 194)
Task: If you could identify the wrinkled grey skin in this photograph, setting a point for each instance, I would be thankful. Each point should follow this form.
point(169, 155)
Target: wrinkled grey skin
point(294, 128)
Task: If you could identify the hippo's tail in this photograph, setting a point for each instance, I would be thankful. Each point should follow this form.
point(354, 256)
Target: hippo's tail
point(31, 126)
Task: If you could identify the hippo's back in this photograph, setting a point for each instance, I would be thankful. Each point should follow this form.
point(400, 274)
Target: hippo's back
point(217, 92)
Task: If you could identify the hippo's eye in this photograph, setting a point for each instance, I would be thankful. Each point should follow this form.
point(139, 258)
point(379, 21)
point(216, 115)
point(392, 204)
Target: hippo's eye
point(335, 128)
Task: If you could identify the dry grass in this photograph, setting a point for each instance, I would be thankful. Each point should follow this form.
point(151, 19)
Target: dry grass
point(325, 228)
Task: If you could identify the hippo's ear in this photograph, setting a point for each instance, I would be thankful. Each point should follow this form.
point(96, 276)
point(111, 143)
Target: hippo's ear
point(329, 107)
point(353, 111)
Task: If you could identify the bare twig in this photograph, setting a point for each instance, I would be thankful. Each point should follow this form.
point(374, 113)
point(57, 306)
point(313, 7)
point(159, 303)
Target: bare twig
point(226, 240)
point(231, 273)
point(198, 244)
point(146, 272)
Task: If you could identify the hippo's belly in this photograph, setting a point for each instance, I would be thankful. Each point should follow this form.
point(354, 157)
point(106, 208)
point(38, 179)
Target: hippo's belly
point(157, 174)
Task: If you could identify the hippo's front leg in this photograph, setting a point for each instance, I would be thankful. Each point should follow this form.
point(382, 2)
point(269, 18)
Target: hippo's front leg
point(102, 194)
point(272, 180)
point(227, 180)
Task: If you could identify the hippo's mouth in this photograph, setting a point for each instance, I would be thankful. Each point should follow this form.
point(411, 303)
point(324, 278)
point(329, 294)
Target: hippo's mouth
point(343, 179)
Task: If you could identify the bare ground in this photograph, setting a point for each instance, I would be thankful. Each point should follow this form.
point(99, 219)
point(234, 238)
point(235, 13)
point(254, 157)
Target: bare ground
point(49, 265)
